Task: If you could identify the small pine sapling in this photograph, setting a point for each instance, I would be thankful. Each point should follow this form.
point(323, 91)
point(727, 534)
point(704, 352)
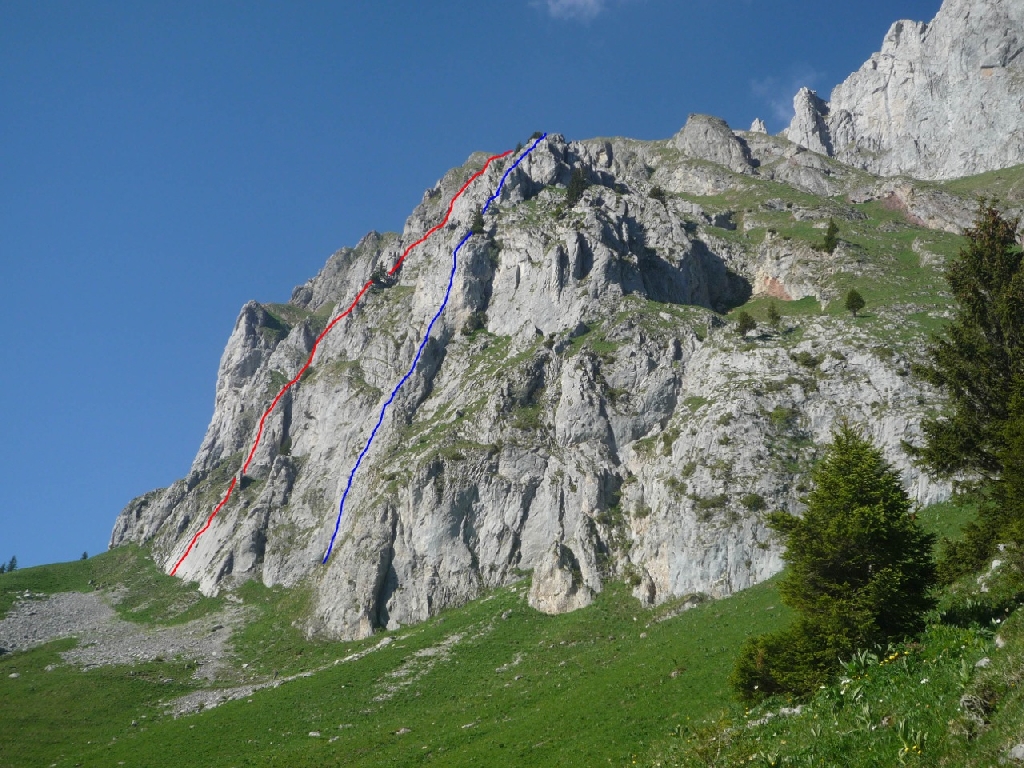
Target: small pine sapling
point(854, 302)
point(745, 323)
point(831, 237)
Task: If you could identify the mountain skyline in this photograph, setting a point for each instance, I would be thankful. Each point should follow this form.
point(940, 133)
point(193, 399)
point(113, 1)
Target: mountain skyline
point(164, 166)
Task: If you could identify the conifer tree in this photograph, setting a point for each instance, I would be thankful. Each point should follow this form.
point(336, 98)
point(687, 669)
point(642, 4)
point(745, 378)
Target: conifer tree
point(12, 564)
point(477, 227)
point(979, 356)
point(858, 572)
point(831, 237)
point(745, 323)
point(577, 186)
point(854, 302)
point(773, 315)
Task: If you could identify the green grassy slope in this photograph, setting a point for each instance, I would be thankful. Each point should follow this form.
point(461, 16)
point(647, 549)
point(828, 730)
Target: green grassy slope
point(146, 594)
point(577, 689)
point(609, 683)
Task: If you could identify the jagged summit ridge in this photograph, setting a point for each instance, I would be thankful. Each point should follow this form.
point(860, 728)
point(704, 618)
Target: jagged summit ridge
point(940, 100)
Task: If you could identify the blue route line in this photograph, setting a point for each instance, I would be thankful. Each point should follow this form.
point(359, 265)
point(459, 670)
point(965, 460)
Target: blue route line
point(423, 344)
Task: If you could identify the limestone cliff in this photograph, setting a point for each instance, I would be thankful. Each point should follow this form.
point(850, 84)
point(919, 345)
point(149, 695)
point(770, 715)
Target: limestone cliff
point(938, 101)
point(582, 410)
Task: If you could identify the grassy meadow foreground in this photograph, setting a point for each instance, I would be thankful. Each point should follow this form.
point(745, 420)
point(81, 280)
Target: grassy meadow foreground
point(494, 678)
point(496, 682)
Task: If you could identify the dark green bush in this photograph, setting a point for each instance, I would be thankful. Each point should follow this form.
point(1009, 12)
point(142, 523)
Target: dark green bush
point(753, 501)
point(792, 661)
point(381, 278)
point(577, 186)
point(782, 417)
point(806, 359)
point(477, 227)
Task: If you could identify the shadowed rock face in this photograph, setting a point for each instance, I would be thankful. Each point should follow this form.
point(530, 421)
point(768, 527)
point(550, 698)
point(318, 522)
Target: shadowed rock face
point(579, 411)
point(938, 101)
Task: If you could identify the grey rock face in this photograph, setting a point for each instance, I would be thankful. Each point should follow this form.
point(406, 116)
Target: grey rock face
point(922, 205)
point(710, 138)
point(809, 128)
point(579, 410)
point(758, 126)
point(939, 100)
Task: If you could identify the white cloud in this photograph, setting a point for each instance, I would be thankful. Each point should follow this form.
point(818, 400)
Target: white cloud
point(574, 9)
point(578, 10)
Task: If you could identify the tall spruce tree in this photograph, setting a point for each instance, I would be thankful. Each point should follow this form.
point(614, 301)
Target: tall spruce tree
point(858, 572)
point(979, 355)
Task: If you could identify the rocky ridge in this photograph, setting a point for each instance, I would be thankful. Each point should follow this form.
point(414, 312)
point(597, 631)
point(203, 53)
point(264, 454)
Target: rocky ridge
point(939, 100)
point(581, 411)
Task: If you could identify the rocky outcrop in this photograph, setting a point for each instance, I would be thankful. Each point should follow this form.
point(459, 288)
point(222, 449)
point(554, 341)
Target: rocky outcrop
point(922, 206)
point(580, 410)
point(710, 138)
point(558, 584)
point(758, 126)
point(938, 101)
point(809, 128)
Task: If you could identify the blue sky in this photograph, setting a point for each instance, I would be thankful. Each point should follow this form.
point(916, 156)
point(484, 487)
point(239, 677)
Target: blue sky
point(162, 163)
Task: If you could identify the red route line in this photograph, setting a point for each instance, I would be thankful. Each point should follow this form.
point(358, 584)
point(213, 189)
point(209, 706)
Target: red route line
point(451, 205)
point(309, 361)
